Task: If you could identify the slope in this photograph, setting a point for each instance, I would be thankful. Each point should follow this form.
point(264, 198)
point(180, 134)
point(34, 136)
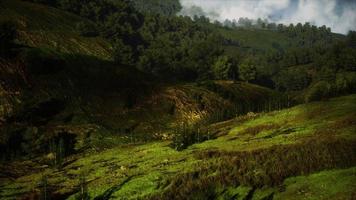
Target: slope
point(66, 83)
point(257, 157)
point(45, 27)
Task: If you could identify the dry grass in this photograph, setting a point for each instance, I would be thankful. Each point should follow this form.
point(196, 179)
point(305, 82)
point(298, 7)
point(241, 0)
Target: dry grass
point(347, 121)
point(259, 128)
point(265, 167)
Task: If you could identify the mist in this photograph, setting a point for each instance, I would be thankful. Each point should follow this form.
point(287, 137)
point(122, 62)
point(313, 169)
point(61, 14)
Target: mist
point(339, 15)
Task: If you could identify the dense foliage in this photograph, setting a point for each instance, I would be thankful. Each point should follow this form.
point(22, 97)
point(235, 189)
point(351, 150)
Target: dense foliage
point(178, 47)
point(163, 7)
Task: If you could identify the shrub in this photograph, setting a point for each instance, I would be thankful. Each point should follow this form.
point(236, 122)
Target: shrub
point(345, 83)
point(186, 134)
point(222, 68)
point(318, 91)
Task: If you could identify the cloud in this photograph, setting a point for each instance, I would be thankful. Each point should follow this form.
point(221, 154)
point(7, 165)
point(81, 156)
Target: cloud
point(340, 15)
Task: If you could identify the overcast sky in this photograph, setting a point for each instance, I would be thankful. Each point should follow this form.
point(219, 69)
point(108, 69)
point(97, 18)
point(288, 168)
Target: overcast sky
point(339, 15)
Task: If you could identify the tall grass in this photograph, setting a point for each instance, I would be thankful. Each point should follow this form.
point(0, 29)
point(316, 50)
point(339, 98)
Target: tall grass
point(264, 167)
point(186, 134)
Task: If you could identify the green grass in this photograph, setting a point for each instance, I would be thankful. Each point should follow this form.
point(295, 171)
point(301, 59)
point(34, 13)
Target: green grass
point(256, 39)
point(332, 184)
point(155, 169)
point(290, 125)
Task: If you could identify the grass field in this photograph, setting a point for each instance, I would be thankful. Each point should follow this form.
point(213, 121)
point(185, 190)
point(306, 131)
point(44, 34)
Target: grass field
point(257, 157)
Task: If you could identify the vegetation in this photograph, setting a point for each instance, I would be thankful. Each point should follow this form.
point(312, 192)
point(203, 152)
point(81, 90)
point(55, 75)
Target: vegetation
point(167, 7)
point(105, 99)
point(305, 133)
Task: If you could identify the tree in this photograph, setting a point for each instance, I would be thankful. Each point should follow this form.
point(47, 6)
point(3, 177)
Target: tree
point(292, 80)
point(123, 54)
point(44, 188)
point(351, 39)
point(222, 68)
point(83, 187)
point(122, 29)
point(87, 29)
point(247, 70)
point(166, 7)
point(318, 91)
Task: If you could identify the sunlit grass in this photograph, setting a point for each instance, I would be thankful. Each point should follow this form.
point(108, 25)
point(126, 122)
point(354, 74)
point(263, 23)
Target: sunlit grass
point(152, 166)
point(333, 184)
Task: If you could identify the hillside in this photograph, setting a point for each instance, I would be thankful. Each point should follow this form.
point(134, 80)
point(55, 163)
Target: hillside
point(44, 27)
point(77, 90)
point(266, 149)
point(262, 40)
point(117, 99)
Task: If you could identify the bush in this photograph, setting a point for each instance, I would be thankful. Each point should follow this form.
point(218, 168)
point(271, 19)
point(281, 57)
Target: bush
point(318, 91)
point(345, 83)
point(222, 68)
point(186, 134)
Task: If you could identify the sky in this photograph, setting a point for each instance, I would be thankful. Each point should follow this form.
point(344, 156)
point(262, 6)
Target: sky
point(339, 15)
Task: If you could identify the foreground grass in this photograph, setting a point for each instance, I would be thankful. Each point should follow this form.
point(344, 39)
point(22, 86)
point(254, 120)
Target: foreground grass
point(333, 184)
point(256, 156)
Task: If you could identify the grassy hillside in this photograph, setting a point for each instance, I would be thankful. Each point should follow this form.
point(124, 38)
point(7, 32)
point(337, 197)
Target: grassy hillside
point(256, 156)
point(75, 124)
point(74, 88)
point(45, 27)
point(261, 40)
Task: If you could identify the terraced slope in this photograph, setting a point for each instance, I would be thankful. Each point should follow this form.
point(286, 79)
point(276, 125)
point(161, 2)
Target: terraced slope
point(256, 157)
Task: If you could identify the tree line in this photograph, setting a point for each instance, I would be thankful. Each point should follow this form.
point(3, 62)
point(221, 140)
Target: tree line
point(183, 48)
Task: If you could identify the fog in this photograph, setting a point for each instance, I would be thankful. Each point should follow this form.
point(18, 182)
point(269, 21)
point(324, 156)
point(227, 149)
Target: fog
point(339, 15)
